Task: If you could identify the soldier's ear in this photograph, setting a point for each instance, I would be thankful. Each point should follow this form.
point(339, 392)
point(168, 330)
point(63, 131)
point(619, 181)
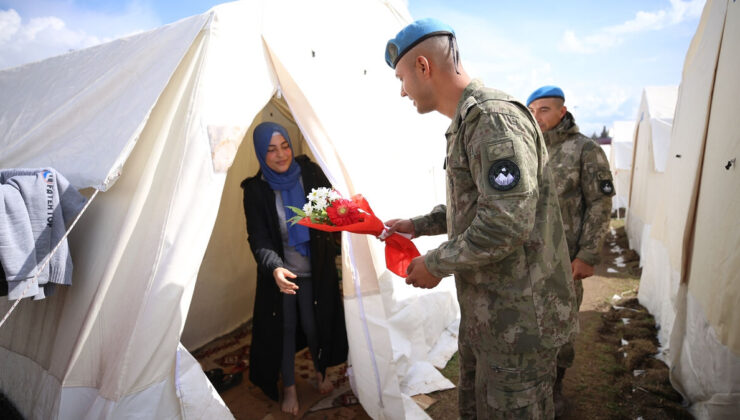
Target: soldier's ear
point(422, 65)
point(563, 110)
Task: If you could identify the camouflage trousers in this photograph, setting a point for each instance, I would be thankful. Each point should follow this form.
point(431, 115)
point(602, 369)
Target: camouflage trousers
point(567, 352)
point(506, 386)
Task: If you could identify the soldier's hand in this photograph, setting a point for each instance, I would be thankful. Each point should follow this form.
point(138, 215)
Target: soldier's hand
point(419, 276)
point(581, 270)
point(400, 226)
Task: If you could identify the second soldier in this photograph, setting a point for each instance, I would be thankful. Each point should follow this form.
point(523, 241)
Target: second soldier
point(584, 185)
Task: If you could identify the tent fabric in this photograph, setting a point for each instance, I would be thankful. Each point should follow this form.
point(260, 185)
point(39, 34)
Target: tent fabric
point(620, 161)
point(156, 120)
point(689, 280)
point(86, 96)
point(650, 151)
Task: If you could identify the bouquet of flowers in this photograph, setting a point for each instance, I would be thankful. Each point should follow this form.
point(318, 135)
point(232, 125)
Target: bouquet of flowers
point(328, 211)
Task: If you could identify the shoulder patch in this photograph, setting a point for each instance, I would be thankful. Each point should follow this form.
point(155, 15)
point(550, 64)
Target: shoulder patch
point(503, 175)
point(606, 186)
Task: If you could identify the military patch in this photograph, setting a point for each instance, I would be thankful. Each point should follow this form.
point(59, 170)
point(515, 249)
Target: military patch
point(500, 150)
point(503, 175)
point(606, 186)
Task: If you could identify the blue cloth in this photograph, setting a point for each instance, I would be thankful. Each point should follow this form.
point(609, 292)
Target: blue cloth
point(413, 34)
point(546, 92)
point(288, 183)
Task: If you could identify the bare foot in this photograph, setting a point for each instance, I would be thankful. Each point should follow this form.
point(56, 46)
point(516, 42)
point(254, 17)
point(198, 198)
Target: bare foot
point(290, 400)
point(325, 384)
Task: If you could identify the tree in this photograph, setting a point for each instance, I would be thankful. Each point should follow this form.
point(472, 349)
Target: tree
point(604, 133)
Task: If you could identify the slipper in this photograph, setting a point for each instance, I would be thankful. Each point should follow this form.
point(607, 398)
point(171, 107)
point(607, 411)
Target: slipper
point(229, 381)
point(215, 375)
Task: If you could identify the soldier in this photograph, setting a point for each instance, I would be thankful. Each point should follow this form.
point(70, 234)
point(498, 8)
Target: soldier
point(584, 185)
point(506, 246)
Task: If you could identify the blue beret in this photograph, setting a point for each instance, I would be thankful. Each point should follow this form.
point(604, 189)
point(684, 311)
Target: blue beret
point(411, 35)
point(546, 92)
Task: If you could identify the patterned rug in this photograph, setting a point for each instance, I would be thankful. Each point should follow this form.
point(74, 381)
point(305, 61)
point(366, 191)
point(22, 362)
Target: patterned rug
point(231, 353)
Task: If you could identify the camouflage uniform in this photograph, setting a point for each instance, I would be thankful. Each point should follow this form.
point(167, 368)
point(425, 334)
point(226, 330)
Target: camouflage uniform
point(583, 180)
point(507, 251)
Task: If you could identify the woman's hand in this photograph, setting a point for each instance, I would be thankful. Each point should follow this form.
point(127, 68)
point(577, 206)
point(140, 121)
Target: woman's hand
point(281, 276)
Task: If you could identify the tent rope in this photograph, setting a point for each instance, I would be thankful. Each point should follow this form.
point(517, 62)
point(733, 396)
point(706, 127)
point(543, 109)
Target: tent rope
point(48, 258)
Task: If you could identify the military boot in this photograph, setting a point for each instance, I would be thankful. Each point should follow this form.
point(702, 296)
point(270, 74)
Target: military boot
point(557, 393)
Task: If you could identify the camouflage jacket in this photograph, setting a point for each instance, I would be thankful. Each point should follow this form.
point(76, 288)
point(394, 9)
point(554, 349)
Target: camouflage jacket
point(584, 184)
point(505, 237)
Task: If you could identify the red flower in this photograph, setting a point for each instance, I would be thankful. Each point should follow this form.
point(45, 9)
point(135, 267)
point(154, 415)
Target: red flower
point(343, 212)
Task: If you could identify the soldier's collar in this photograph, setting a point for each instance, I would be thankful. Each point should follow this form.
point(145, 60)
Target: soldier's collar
point(467, 100)
point(565, 128)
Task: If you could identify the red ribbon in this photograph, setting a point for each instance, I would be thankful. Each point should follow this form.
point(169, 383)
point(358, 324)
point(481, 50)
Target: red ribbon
point(399, 250)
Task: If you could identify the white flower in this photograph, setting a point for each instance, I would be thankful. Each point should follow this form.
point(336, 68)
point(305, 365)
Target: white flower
point(313, 195)
point(320, 198)
point(321, 203)
point(334, 195)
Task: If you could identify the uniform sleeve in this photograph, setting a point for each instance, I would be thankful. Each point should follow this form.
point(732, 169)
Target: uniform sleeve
point(598, 190)
point(503, 164)
point(434, 223)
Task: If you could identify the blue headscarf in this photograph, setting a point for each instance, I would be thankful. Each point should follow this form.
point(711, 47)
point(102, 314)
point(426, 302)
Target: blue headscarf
point(288, 183)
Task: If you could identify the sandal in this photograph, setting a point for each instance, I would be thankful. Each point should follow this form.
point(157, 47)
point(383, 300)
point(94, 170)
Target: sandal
point(222, 381)
point(215, 375)
point(229, 381)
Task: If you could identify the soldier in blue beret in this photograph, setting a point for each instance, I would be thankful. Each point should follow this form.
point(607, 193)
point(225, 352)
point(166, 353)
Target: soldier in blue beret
point(546, 92)
point(506, 246)
point(584, 185)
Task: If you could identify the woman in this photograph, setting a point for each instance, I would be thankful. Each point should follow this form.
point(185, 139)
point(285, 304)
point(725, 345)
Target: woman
point(297, 299)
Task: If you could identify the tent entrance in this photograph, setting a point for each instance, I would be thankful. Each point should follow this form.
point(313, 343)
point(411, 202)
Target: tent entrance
point(224, 294)
point(218, 328)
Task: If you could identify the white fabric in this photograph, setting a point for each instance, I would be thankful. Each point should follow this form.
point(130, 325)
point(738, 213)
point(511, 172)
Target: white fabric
point(89, 107)
point(623, 134)
point(650, 151)
point(156, 121)
point(661, 136)
point(703, 368)
point(620, 161)
point(607, 148)
point(658, 288)
point(689, 280)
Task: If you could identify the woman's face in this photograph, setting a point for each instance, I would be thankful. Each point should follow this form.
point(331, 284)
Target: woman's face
point(279, 155)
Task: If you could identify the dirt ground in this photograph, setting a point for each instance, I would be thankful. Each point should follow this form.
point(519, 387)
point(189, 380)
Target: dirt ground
point(614, 375)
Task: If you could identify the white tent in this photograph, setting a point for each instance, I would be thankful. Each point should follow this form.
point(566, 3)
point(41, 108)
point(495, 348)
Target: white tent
point(154, 121)
point(620, 161)
point(690, 279)
point(650, 152)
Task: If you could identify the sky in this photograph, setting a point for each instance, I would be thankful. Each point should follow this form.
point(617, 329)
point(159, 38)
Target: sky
point(601, 53)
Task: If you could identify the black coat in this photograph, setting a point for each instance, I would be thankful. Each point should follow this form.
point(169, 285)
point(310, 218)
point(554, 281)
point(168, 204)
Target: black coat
point(263, 234)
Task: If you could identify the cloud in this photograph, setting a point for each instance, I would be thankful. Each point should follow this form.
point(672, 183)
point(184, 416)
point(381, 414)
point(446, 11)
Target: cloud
point(610, 36)
point(499, 60)
point(598, 105)
point(10, 23)
point(51, 29)
point(515, 66)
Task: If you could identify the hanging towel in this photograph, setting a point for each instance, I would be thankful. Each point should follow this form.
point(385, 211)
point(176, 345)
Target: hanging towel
point(37, 205)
